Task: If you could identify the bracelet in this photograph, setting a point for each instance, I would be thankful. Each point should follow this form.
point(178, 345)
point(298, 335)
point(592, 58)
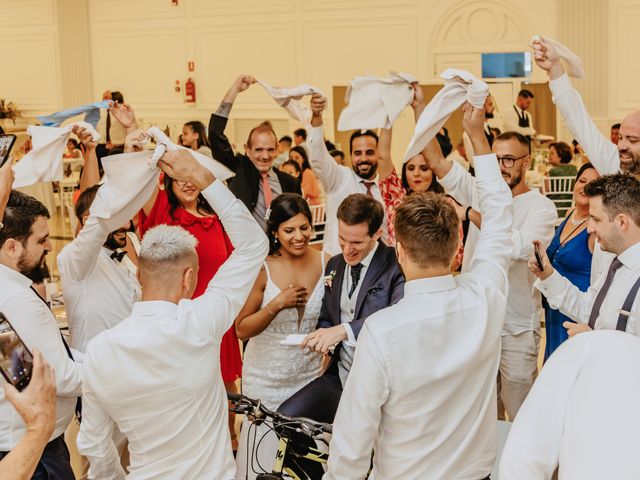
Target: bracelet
point(466, 214)
point(269, 310)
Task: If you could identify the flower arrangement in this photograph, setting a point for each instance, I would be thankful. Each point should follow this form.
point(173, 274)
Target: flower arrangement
point(8, 110)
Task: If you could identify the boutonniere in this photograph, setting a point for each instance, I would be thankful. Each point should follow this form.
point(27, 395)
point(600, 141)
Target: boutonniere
point(328, 279)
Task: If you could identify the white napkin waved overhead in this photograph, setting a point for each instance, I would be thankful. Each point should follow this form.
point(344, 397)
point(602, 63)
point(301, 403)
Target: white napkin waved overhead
point(376, 102)
point(459, 87)
point(44, 162)
point(289, 99)
point(575, 68)
point(130, 179)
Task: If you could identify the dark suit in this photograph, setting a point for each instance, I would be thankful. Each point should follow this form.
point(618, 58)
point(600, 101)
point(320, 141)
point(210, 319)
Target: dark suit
point(246, 183)
point(382, 285)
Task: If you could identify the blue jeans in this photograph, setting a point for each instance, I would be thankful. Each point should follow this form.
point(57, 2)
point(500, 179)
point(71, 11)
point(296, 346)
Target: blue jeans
point(54, 463)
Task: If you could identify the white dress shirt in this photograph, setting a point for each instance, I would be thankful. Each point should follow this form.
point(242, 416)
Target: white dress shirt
point(581, 414)
point(564, 296)
point(534, 218)
point(157, 373)
point(602, 154)
point(98, 291)
point(510, 120)
point(37, 327)
point(347, 310)
point(422, 389)
point(339, 182)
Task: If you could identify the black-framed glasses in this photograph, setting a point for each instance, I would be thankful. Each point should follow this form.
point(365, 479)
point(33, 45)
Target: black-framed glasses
point(508, 162)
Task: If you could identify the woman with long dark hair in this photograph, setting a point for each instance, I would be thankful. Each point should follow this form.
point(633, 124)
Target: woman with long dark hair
point(308, 181)
point(182, 204)
point(194, 136)
point(285, 299)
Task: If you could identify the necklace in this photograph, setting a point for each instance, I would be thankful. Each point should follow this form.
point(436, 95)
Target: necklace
point(578, 221)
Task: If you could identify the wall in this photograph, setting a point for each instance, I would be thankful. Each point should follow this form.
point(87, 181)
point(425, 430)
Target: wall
point(142, 47)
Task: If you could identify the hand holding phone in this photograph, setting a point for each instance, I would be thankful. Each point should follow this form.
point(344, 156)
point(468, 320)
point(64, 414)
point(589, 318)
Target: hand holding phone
point(536, 252)
point(539, 263)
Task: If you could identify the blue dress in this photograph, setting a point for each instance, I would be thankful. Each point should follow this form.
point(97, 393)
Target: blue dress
point(572, 260)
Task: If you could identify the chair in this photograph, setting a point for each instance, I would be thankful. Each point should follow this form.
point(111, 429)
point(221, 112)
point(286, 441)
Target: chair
point(560, 191)
point(318, 215)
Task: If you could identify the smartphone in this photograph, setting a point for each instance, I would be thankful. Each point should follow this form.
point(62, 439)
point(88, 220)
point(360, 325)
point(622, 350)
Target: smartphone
point(6, 144)
point(536, 252)
point(16, 362)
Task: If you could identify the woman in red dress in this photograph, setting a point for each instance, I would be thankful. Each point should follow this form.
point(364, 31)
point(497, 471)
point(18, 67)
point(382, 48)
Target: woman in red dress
point(180, 203)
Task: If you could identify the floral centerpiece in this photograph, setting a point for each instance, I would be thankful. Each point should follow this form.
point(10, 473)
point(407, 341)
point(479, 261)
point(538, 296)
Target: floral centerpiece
point(8, 110)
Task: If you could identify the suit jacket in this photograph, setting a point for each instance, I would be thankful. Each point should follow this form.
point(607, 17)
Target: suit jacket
point(246, 184)
point(382, 285)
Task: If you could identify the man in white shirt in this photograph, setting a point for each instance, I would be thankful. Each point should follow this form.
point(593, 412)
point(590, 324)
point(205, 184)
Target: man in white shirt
point(156, 374)
point(421, 392)
point(609, 303)
point(516, 118)
point(24, 244)
point(605, 156)
point(338, 181)
point(99, 289)
point(534, 217)
point(579, 416)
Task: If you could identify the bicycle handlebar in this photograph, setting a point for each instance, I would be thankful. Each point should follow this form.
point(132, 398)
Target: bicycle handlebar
point(279, 417)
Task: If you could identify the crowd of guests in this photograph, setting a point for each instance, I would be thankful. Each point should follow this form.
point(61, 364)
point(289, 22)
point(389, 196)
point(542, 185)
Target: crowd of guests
point(417, 324)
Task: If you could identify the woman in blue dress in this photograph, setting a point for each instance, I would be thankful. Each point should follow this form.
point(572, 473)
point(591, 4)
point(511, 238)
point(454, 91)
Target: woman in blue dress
point(570, 253)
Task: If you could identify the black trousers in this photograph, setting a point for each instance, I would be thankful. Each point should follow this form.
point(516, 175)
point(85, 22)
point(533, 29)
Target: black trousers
point(54, 463)
point(318, 400)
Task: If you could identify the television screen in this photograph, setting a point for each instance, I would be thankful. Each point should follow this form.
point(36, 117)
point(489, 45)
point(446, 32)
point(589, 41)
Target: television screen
point(506, 65)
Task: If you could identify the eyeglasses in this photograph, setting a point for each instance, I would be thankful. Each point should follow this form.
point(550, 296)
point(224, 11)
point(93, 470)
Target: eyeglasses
point(508, 162)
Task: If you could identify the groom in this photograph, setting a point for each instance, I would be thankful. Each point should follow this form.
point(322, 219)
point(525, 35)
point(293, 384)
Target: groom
point(365, 278)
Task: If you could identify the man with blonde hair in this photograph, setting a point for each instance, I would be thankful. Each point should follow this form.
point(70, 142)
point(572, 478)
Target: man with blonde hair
point(156, 374)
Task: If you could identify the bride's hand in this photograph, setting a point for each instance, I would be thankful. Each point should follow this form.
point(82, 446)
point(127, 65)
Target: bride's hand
point(292, 297)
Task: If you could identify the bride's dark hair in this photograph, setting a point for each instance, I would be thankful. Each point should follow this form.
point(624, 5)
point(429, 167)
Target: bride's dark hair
point(283, 208)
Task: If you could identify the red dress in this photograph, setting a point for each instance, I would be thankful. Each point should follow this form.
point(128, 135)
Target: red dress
point(214, 247)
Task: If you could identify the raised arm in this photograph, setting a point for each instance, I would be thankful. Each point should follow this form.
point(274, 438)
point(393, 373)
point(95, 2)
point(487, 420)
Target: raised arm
point(325, 167)
point(385, 164)
point(220, 146)
point(90, 170)
point(493, 249)
point(456, 181)
point(229, 288)
point(601, 152)
point(6, 183)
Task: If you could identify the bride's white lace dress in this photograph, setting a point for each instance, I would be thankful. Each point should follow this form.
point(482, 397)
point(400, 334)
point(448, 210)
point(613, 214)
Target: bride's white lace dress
point(272, 372)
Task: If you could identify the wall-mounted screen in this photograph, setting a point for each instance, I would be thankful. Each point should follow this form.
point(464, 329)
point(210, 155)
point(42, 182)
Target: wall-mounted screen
point(506, 65)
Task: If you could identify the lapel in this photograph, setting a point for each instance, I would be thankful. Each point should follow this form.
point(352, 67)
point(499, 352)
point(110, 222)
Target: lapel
point(373, 272)
point(336, 288)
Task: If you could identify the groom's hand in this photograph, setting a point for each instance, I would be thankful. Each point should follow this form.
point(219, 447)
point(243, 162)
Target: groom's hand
point(324, 338)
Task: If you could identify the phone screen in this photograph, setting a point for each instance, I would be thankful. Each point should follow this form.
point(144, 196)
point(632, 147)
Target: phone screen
point(6, 144)
point(16, 362)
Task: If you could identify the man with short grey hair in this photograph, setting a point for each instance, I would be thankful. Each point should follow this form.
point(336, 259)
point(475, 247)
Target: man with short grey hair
point(156, 374)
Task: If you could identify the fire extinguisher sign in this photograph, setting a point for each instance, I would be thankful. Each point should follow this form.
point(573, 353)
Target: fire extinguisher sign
point(190, 91)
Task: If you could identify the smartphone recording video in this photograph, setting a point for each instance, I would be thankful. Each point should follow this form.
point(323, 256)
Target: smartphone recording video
point(6, 144)
point(16, 362)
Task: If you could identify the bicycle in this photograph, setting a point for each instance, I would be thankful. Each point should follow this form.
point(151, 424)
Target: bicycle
point(292, 454)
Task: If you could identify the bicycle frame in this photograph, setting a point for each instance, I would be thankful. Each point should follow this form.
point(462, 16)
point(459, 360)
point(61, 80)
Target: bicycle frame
point(284, 462)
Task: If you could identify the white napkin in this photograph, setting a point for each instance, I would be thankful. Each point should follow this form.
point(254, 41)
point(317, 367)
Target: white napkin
point(44, 162)
point(459, 87)
point(376, 102)
point(575, 68)
point(289, 99)
point(130, 179)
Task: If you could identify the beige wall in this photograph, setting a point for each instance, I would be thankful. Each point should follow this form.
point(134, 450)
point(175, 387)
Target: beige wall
point(62, 52)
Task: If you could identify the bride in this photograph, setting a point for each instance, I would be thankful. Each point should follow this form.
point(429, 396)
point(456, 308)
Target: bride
point(285, 299)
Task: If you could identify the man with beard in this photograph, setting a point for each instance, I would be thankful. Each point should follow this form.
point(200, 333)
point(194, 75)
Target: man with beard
point(605, 156)
point(24, 244)
point(534, 218)
point(99, 289)
point(610, 302)
point(339, 182)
